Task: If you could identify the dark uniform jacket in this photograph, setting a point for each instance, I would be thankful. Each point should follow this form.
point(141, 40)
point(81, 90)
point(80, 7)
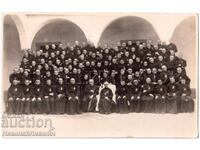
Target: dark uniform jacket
point(147, 89)
point(27, 91)
point(15, 91)
point(91, 90)
point(72, 90)
point(38, 91)
point(49, 90)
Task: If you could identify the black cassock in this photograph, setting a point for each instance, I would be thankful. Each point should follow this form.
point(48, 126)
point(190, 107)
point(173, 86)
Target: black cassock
point(106, 104)
point(122, 99)
point(134, 97)
point(160, 92)
point(172, 98)
point(147, 100)
point(14, 105)
point(28, 94)
point(60, 99)
point(73, 103)
point(90, 98)
point(49, 99)
point(36, 105)
point(186, 101)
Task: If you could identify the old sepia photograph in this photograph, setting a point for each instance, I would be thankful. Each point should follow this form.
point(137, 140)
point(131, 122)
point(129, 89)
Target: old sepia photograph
point(131, 75)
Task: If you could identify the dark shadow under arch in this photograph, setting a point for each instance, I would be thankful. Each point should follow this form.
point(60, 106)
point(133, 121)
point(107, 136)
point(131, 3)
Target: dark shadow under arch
point(59, 30)
point(128, 28)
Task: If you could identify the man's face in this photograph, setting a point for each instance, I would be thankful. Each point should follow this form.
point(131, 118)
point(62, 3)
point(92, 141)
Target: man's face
point(122, 71)
point(33, 63)
point(27, 82)
point(172, 79)
point(160, 58)
point(37, 72)
point(87, 63)
point(46, 47)
point(154, 70)
point(53, 46)
point(122, 83)
point(98, 64)
point(129, 42)
point(163, 50)
point(72, 81)
point(179, 70)
point(56, 72)
point(137, 74)
point(148, 70)
point(171, 57)
point(148, 80)
point(86, 76)
point(151, 60)
point(91, 82)
point(160, 82)
point(183, 81)
point(126, 54)
point(75, 71)
point(15, 82)
point(130, 71)
point(48, 82)
point(133, 49)
point(37, 82)
point(135, 82)
point(137, 59)
point(130, 77)
point(26, 73)
point(145, 63)
point(164, 68)
point(15, 70)
point(60, 81)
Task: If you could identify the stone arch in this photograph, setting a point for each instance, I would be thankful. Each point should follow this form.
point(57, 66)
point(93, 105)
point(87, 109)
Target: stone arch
point(12, 44)
point(60, 30)
point(184, 36)
point(128, 27)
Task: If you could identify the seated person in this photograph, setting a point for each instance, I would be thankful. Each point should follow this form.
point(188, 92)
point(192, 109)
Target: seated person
point(106, 103)
point(90, 97)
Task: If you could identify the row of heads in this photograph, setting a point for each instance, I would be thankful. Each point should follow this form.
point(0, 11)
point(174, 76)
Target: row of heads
point(67, 70)
point(141, 44)
point(92, 82)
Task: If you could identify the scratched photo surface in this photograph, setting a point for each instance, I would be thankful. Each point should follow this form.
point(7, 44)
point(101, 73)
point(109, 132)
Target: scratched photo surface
point(100, 75)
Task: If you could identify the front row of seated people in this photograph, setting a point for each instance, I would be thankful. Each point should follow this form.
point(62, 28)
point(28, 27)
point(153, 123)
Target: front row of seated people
point(69, 99)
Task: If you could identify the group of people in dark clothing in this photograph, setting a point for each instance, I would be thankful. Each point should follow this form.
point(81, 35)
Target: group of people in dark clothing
point(144, 78)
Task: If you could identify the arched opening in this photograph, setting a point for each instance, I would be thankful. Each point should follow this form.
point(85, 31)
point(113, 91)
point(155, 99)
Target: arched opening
point(59, 30)
point(11, 46)
point(184, 36)
point(128, 28)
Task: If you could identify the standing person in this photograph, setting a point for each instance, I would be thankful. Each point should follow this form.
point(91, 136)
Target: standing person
point(106, 102)
point(122, 99)
point(14, 97)
point(147, 99)
point(134, 92)
point(186, 101)
point(60, 97)
point(28, 94)
point(49, 97)
point(172, 95)
point(73, 94)
point(90, 97)
point(160, 92)
point(36, 102)
point(14, 76)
